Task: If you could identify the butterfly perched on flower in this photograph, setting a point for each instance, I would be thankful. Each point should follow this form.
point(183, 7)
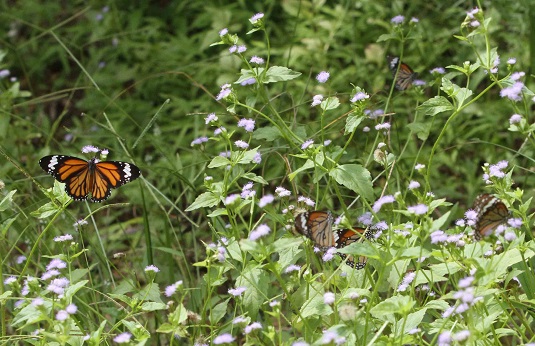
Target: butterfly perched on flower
point(491, 212)
point(404, 76)
point(93, 177)
point(318, 226)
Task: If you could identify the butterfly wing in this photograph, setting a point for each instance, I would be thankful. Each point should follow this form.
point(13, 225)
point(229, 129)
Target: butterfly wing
point(72, 171)
point(110, 175)
point(404, 76)
point(491, 212)
point(317, 225)
point(344, 237)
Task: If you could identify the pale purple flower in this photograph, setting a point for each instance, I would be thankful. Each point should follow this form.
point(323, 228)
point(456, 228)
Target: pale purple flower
point(383, 200)
point(380, 226)
point(471, 214)
point(238, 291)
point(414, 331)
point(170, 290)
point(300, 343)
point(509, 236)
point(265, 200)
point(306, 200)
point(90, 149)
point(515, 119)
point(248, 81)
point(329, 254)
point(63, 238)
point(282, 192)
point(515, 222)
point(219, 130)
point(327, 142)
point(223, 93)
point(71, 309)
point(366, 219)
point(517, 75)
point(10, 280)
point(462, 335)
point(62, 315)
point(513, 92)
point(225, 154)
point(306, 144)
point(438, 237)
point(256, 60)
point(398, 19)
point(199, 140)
point(419, 209)
point(225, 338)
point(511, 61)
point(496, 171)
point(460, 223)
point(221, 253)
point(465, 282)
point(49, 274)
point(256, 17)
point(474, 23)
point(472, 12)
point(4, 73)
point(444, 339)
point(329, 337)
point(79, 223)
point(329, 298)
point(37, 301)
point(56, 263)
point(233, 49)
point(359, 96)
point(239, 319)
point(151, 268)
point(316, 100)
point(241, 49)
point(419, 166)
point(241, 144)
point(251, 327)
point(438, 70)
point(231, 198)
point(414, 20)
point(413, 185)
point(260, 231)
point(407, 280)
point(418, 82)
point(247, 124)
point(383, 126)
point(123, 338)
point(257, 158)
point(292, 268)
point(365, 129)
point(323, 76)
point(274, 303)
point(58, 285)
point(210, 118)
point(20, 259)
point(402, 232)
point(223, 32)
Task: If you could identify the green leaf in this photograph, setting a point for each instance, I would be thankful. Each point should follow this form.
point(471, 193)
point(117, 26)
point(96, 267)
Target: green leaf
point(396, 304)
point(7, 201)
point(204, 200)
point(330, 103)
point(218, 312)
point(315, 306)
point(352, 122)
point(421, 129)
point(280, 74)
point(219, 161)
point(354, 177)
point(153, 306)
point(256, 281)
point(437, 104)
point(268, 133)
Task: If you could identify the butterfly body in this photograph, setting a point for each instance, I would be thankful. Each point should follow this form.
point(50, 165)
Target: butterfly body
point(404, 76)
point(317, 226)
point(83, 177)
point(491, 212)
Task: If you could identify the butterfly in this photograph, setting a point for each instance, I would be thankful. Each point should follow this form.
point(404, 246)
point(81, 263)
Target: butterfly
point(83, 177)
point(404, 76)
point(317, 225)
point(491, 212)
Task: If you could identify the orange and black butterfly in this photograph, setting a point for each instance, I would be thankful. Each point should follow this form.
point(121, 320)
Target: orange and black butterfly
point(93, 177)
point(317, 225)
point(491, 212)
point(404, 76)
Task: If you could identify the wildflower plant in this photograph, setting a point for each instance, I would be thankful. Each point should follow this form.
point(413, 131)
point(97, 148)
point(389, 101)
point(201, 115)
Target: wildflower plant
point(282, 134)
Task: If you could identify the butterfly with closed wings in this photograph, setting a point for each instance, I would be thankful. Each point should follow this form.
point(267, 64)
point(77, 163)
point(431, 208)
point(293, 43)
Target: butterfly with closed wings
point(317, 226)
point(404, 75)
point(491, 212)
point(93, 177)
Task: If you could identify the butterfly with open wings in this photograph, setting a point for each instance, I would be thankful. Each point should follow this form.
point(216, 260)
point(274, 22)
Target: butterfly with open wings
point(93, 177)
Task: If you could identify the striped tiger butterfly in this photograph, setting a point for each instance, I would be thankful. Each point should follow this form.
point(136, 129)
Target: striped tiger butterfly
point(317, 226)
point(404, 76)
point(93, 177)
point(491, 212)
